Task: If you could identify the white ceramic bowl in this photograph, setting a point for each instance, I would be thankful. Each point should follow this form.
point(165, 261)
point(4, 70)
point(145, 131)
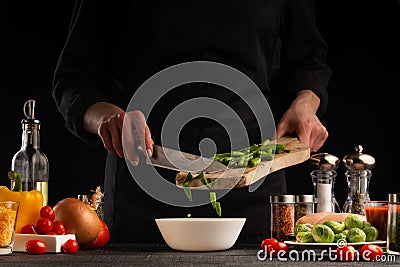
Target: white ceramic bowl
point(200, 234)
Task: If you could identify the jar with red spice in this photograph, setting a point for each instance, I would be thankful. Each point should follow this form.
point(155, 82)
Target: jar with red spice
point(282, 216)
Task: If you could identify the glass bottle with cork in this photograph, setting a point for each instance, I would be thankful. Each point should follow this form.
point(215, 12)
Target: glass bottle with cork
point(323, 176)
point(358, 175)
point(30, 161)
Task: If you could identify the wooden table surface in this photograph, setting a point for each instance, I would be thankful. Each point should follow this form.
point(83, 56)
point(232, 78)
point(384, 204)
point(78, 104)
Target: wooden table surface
point(161, 255)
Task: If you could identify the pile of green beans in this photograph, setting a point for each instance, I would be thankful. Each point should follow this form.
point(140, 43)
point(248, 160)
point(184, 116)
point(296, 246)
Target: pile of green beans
point(251, 156)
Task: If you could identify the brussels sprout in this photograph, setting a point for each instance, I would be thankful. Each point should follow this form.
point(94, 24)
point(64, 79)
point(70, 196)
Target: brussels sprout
point(337, 227)
point(322, 233)
point(345, 232)
point(366, 224)
point(353, 221)
point(307, 238)
point(300, 235)
point(356, 235)
point(339, 236)
point(301, 228)
point(371, 233)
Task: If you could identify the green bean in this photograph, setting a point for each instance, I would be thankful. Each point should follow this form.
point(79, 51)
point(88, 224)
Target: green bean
point(213, 198)
point(187, 191)
point(218, 208)
point(267, 156)
point(236, 153)
point(254, 162)
point(265, 142)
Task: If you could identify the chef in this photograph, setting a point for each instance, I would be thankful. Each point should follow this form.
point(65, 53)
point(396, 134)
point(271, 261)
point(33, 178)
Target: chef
point(112, 49)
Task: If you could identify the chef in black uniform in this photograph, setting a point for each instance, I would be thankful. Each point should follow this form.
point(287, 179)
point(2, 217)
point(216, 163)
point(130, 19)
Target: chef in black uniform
point(114, 47)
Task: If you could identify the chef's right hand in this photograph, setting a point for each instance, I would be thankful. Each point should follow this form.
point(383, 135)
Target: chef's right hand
point(121, 132)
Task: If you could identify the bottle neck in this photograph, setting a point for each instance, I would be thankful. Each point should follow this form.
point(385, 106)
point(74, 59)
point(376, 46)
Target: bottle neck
point(30, 137)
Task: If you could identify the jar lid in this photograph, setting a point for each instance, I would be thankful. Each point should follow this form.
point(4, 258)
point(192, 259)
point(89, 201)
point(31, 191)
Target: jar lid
point(394, 198)
point(324, 161)
point(282, 199)
point(359, 160)
point(304, 198)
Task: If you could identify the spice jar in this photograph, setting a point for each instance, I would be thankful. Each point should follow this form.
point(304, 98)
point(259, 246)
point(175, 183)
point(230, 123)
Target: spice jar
point(304, 205)
point(358, 175)
point(323, 176)
point(282, 216)
point(393, 230)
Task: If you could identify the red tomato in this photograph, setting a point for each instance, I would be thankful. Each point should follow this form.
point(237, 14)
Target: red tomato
point(34, 246)
point(102, 238)
point(267, 242)
point(50, 233)
point(278, 248)
point(371, 252)
point(347, 253)
point(70, 246)
point(58, 228)
point(29, 229)
point(44, 225)
point(47, 212)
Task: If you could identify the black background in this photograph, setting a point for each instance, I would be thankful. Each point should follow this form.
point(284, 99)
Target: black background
point(363, 54)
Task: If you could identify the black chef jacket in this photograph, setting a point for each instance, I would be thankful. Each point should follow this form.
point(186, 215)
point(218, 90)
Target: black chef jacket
point(113, 47)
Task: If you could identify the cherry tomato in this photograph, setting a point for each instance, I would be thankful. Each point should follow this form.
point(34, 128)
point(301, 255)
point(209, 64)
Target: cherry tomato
point(102, 238)
point(34, 246)
point(278, 248)
point(47, 212)
point(370, 252)
point(44, 225)
point(267, 242)
point(347, 253)
point(58, 228)
point(50, 233)
point(70, 246)
point(29, 229)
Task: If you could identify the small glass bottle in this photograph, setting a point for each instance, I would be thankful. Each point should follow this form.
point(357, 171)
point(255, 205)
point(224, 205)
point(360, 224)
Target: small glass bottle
point(393, 230)
point(30, 161)
point(282, 216)
point(304, 205)
point(323, 176)
point(358, 175)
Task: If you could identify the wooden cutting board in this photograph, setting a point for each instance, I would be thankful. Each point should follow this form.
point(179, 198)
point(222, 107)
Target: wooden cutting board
point(240, 177)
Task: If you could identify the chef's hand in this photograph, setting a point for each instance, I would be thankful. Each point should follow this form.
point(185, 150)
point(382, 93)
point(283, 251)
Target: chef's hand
point(302, 120)
point(121, 132)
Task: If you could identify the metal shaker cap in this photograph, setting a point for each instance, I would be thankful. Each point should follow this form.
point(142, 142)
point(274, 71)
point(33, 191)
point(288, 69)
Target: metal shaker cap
point(324, 161)
point(394, 198)
point(359, 160)
point(282, 199)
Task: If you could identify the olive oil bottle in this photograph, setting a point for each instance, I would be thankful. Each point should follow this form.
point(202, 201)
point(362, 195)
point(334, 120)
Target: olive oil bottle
point(30, 161)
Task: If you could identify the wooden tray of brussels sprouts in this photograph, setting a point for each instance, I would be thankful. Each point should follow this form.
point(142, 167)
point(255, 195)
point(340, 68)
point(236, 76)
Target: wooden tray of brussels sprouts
point(352, 231)
point(248, 165)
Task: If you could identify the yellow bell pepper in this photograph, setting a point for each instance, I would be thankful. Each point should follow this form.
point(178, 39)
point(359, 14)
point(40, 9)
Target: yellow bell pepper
point(30, 203)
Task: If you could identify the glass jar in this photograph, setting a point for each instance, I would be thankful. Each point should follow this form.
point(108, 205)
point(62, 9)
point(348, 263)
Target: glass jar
point(376, 212)
point(304, 205)
point(393, 230)
point(282, 216)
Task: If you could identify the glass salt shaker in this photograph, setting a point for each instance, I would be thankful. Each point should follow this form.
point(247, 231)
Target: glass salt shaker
point(323, 176)
point(358, 175)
